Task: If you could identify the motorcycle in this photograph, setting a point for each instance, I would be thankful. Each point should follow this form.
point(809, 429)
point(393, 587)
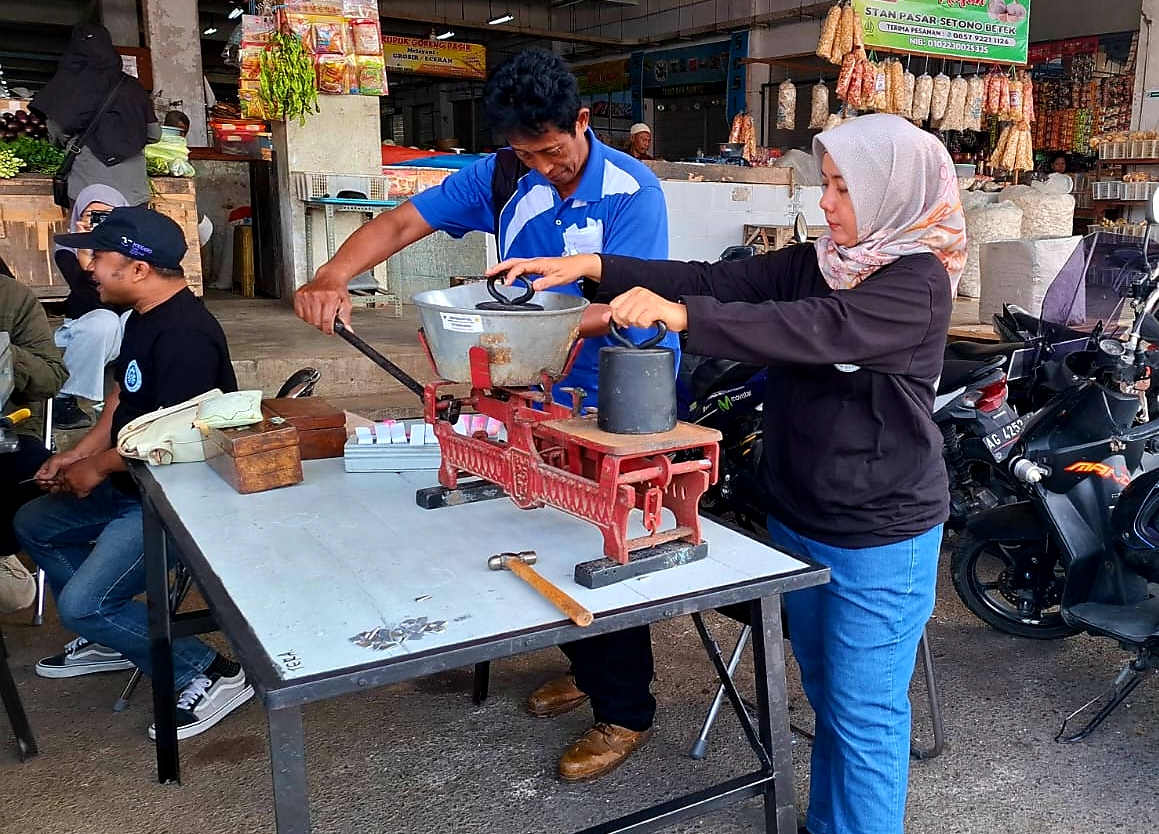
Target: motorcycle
point(1024, 567)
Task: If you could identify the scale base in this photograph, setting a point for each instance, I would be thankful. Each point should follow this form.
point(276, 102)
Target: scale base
point(468, 492)
point(600, 573)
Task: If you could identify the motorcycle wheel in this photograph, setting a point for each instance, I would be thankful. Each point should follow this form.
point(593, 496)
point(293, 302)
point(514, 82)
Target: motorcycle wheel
point(984, 572)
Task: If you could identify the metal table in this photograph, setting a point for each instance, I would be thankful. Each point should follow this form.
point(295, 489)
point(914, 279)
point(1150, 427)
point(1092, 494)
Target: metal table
point(291, 575)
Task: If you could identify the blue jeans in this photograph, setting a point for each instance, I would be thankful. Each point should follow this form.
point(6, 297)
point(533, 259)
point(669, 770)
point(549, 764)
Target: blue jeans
point(94, 583)
point(855, 641)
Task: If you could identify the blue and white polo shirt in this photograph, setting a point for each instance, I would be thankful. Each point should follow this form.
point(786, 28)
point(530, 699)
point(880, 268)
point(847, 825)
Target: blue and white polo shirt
point(617, 209)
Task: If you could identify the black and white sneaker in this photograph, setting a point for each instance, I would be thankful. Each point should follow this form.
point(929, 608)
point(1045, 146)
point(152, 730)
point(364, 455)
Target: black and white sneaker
point(206, 700)
point(82, 657)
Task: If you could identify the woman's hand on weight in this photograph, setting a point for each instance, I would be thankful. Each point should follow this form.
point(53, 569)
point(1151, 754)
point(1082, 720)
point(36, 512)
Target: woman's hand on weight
point(639, 307)
point(545, 273)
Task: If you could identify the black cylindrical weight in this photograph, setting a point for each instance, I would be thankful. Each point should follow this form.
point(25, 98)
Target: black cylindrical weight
point(637, 393)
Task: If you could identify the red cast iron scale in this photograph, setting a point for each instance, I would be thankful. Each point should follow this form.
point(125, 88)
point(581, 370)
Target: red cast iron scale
point(555, 457)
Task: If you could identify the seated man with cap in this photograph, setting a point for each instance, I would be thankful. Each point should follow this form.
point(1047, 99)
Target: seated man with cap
point(87, 534)
point(640, 141)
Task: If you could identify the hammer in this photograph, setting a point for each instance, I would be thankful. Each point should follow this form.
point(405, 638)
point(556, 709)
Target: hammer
point(520, 565)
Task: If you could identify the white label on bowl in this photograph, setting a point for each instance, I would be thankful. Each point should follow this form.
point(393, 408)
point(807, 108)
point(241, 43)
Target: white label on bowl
point(462, 322)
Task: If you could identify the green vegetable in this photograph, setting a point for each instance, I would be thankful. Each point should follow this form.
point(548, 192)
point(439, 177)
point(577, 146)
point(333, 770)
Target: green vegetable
point(10, 163)
point(287, 83)
point(40, 157)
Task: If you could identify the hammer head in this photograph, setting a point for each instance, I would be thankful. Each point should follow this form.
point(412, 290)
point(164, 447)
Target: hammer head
point(500, 560)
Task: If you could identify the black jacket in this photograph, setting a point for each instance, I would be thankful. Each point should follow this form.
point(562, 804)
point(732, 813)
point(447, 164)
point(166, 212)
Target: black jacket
point(852, 457)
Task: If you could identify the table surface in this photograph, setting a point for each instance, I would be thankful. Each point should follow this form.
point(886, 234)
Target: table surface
point(310, 566)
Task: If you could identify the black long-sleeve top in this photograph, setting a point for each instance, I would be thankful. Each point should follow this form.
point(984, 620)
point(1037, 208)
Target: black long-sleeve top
point(852, 457)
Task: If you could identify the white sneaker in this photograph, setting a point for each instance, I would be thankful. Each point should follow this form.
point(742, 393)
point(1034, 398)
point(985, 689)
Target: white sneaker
point(205, 701)
point(17, 585)
point(82, 657)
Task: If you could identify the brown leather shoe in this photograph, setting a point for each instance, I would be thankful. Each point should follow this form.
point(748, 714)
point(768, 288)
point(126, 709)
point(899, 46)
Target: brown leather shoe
point(555, 698)
point(600, 750)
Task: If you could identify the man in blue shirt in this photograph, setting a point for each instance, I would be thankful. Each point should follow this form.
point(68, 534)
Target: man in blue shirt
point(577, 196)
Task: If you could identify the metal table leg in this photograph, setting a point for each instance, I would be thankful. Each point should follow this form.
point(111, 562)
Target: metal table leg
point(161, 644)
point(288, 760)
point(10, 697)
point(773, 713)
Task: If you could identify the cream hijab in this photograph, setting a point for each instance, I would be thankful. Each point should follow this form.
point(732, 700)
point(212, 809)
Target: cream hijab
point(905, 195)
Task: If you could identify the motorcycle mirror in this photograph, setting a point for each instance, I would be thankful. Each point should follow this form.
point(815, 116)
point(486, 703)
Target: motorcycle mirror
point(1149, 329)
point(1153, 209)
point(738, 253)
point(800, 228)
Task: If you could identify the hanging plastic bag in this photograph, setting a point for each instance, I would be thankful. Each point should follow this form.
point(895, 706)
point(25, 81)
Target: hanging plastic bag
point(787, 106)
point(819, 112)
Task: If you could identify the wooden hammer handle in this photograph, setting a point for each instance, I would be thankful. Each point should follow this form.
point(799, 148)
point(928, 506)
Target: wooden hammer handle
point(575, 612)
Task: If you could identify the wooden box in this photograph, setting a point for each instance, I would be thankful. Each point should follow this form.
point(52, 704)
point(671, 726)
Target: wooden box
point(321, 427)
point(255, 458)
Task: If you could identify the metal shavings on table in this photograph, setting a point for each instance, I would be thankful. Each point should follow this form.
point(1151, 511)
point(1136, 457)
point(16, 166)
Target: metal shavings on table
point(390, 637)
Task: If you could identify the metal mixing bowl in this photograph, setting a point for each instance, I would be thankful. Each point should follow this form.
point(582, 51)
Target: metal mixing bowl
point(522, 344)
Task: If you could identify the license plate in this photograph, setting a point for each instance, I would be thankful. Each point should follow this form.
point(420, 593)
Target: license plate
point(998, 443)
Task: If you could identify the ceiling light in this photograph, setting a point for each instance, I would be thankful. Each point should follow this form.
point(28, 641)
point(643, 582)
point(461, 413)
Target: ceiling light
point(507, 18)
point(236, 12)
point(210, 30)
point(445, 35)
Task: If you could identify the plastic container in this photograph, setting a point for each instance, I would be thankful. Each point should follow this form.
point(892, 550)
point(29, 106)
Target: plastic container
point(1107, 190)
point(1139, 191)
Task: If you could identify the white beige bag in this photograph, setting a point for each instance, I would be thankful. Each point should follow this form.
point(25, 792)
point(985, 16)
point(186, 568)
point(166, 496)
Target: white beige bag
point(174, 434)
point(166, 435)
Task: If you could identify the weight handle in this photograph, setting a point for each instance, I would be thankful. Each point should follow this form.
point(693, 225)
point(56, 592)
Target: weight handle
point(622, 337)
point(377, 358)
point(493, 288)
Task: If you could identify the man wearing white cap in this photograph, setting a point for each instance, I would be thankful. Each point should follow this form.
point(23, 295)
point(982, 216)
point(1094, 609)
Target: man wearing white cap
point(640, 141)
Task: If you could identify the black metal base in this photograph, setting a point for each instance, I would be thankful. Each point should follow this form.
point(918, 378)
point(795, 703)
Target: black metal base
point(25, 742)
point(468, 492)
point(600, 573)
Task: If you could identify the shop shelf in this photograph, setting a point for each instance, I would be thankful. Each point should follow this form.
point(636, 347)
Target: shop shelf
point(1107, 190)
point(313, 185)
point(1139, 191)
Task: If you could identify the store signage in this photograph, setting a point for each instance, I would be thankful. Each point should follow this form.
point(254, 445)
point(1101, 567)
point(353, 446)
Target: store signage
point(604, 77)
point(972, 30)
point(693, 69)
point(449, 59)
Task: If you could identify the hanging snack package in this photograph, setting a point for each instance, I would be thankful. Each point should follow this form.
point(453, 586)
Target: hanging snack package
point(896, 87)
point(1027, 99)
point(332, 78)
point(787, 106)
point(301, 25)
point(880, 98)
point(975, 102)
point(371, 75)
point(819, 111)
point(923, 98)
point(737, 129)
point(955, 118)
point(909, 84)
point(846, 75)
point(844, 41)
point(993, 93)
point(1013, 109)
point(868, 84)
point(360, 9)
point(940, 98)
point(828, 37)
point(366, 37)
point(330, 36)
point(853, 95)
point(250, 62)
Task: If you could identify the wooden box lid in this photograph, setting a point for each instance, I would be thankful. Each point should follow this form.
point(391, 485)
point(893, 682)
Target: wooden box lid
point(265, 436)
point(305, 413)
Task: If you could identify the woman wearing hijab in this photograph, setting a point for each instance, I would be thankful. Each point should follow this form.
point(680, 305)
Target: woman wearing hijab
point(852, 330)
point(111, 154)
point(91, 334)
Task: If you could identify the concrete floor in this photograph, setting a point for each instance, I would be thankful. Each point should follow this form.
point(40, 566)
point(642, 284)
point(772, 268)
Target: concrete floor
point(421, 758)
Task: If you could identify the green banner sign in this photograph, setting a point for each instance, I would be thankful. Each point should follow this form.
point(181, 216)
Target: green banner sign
point(970, 30)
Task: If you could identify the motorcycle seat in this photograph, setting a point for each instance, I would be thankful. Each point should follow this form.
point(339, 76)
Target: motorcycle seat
point(956, 373)
point(715, 374)
point(975, 352)
point(1136, 624)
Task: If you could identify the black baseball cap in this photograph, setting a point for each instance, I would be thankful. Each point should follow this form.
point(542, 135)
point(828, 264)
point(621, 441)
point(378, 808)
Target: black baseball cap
point(136, 232)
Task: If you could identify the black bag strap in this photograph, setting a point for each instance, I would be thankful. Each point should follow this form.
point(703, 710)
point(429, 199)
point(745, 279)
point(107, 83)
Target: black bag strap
point(505, 181)
point(77, 142)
